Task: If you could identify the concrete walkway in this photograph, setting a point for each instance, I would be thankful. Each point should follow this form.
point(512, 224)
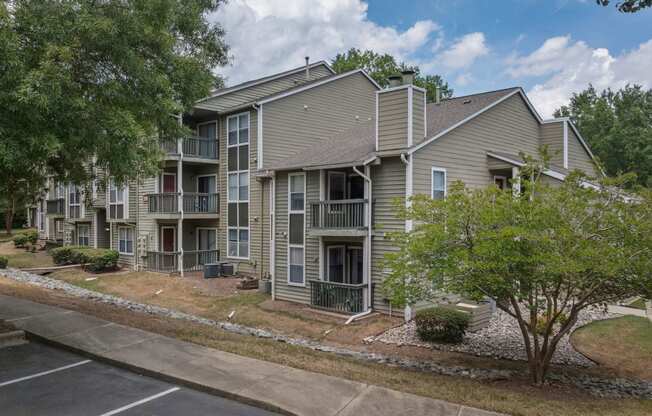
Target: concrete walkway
point(271, 386)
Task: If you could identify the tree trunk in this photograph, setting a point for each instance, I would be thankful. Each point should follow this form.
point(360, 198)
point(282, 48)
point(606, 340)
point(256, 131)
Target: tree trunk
point(9, 219)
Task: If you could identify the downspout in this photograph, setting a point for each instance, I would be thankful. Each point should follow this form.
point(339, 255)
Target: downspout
point(367, 178)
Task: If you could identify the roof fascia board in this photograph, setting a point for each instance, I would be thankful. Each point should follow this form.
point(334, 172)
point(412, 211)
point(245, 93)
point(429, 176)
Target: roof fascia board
point(400, 87)
point(272, 78)
point(317, 84)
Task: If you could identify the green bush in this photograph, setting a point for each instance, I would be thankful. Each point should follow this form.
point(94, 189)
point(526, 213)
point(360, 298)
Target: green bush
point(23, 238)
point(441, 324)
point(3, 262)
point(94, 259)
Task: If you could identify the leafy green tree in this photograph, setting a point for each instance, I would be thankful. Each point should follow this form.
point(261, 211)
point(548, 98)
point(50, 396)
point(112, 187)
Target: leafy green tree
point(544, 256)
point(628, 6)
point(618, 127)
point(84, 80)
point(380, 67)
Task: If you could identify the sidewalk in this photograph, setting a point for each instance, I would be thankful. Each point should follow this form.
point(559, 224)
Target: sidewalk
point(248, 380)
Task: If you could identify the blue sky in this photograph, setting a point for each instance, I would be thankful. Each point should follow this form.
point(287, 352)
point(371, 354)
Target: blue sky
point(550, 47)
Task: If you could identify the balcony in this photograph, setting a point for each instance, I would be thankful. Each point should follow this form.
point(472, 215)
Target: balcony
point(168, 261)
point(56, 207)
point(195, 205)
point(192, 147)
point(337, 297)
point(339, 218)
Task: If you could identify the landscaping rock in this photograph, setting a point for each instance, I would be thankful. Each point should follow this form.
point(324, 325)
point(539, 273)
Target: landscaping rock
point(598, 387)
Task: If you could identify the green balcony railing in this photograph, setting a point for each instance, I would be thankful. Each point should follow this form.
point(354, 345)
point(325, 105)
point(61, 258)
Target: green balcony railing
point(338, 297)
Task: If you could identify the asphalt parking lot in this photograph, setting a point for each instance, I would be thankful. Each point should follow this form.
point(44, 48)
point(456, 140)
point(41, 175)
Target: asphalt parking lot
point(36, 379)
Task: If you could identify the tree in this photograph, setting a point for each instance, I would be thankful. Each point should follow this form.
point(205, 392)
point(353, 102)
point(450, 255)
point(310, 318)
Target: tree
point(618, 127)
point(628, 6)
point(380, 67)
point(84, 82)
point(544, 256)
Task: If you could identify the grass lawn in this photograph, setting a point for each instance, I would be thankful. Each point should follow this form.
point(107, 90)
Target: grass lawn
point(8, 237)
point(622, 344)
point(20, 258)
point(217, 298)
point(514, 397)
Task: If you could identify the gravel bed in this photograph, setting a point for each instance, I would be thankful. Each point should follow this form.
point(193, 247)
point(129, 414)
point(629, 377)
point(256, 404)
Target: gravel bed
point(502, 338)
point(613, 388)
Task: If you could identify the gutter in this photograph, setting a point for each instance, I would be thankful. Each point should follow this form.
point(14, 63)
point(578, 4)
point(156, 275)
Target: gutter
point(367, 177)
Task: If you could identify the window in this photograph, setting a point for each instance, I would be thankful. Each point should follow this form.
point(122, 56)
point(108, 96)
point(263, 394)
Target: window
point(59, 191)
point(41, 215)
point(207, 147)
point(238, 185)
point(336, 186)
point(438, 183)
point(74, 205)
point(296, 228)
point(83, 238)
point(336, 264)
point(500, 181)
point(126, 240)
point(356, 265)
point(117, 197)
point(206, 239)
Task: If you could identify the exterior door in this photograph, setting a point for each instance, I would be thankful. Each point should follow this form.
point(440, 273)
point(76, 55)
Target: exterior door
point(355, 265)
point(169, 183)
point(335, 264)
point(168, 240)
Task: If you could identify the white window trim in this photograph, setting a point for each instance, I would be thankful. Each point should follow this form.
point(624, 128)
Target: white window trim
point(238, 173)
point(291, 211)
point(197, 236)
point(88, 234)
point(125, 200)
point(133, 241)
point(432, 182)
point(206, 176)
point(162, 184)
point(70, 204)
point(328, 268)
point(174, 237)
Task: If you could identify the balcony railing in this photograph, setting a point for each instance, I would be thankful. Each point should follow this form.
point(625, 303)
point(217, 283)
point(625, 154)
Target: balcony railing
point(192, 147)
point(163, 203)
point(195, 260)
point(339, 297)
point(56, 206)
point(162, 261)
point(201, 203)
point(168, 261)
point(340, 214)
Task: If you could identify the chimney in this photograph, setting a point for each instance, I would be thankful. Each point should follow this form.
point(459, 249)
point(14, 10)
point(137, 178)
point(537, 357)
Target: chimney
point(307, 68)
point(437, 94)
point(408, 77)
point(395, 80)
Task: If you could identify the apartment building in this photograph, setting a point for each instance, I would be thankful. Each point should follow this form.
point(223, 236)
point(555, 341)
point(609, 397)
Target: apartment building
point(293, 177)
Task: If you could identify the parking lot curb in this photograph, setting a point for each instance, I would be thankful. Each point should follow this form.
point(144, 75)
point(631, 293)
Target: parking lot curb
point(12, 338)
point(159, 375)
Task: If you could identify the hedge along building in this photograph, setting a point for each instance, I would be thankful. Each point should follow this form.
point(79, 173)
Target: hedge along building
point(294, 176)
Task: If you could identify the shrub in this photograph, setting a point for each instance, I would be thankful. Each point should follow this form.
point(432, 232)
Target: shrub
point(542, 322)
point(3, 262)
point(94, 259)
point(441, 324)
point(22, 238)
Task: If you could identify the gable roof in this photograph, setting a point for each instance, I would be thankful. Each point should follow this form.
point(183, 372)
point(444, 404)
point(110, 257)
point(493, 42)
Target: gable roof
point(353, 146)
point(227, 90)
point(453, 112)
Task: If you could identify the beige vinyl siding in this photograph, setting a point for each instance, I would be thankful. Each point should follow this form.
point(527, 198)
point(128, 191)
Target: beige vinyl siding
point(508, 127)
point(392, 119)
point(296, 122)
point(418, 123)
point(250, 94)
point(552, 135)
point(282, 289)
point(388, 185)
point(578, 157)
point(147, 226)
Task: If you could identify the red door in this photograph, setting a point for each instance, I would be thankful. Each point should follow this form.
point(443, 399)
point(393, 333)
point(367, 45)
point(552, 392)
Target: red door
point(167, 239)
point(169, 183)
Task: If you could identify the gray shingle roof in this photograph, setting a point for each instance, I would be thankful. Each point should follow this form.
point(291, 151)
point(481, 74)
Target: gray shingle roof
point(453, 110)
point(349, 147)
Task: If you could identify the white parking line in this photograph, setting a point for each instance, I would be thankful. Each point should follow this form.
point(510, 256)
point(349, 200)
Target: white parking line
point(65, 367)
point(139, 402)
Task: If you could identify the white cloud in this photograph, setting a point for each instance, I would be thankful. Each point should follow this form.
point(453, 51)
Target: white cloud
point(464, 79)
point(465, 51)
point(570, 66)
point(266, 36)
